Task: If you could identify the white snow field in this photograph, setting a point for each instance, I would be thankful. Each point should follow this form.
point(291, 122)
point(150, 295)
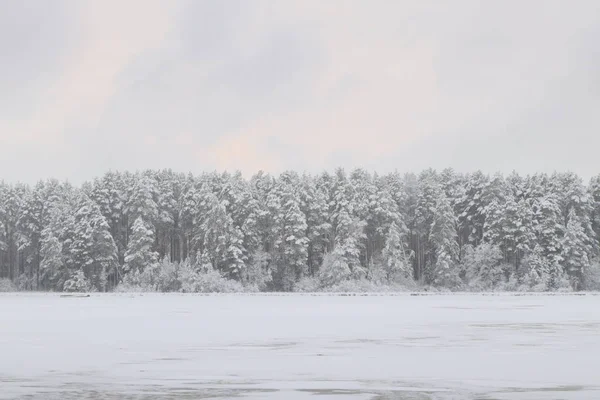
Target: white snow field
point(155, 346)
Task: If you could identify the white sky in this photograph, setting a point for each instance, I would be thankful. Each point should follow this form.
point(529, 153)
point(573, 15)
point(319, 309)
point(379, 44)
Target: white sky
point(88, 86)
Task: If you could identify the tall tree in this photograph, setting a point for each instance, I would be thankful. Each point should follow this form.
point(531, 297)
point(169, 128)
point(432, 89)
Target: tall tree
point(11, 203)
point(290, 244)
point(139, 254)
point(141, 201)
point(93, 250)
point(594, 189)
point(58, 238)
point(471, 208)
point(443, 237)
point(576, 249)
point(217, 239)
point(396, 256)
point(429, 191)
point(313, 203)
point(347, 229)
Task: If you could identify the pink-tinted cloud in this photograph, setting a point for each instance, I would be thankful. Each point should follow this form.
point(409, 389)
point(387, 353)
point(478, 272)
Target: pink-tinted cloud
point(112, 33)
point(372, 96)
point(311, 84)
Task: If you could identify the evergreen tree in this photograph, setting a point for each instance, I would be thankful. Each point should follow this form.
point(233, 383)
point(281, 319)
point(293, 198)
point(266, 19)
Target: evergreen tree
point(58, 237)
point(471, 208)
point(52, 266)
point(396, 257)
point(334, 270)
point(109, 195)
point(313, 203)
point(189, 215)
point(30, 225)
point(407, 208)
point(34, 218)
point(429, 191)
point(347, 229)
point(139, 254)
point(510, 227)
point(78, 282)
point(443, 237)
point(538, 270)
point(547, 227)
point(169, 188)
point(245, 213)
point(142, 198)
point(11, 203)
point(483, 266)
point(576, 250)
point(93, 250)
point(383, 211)
point(218, 240)
point(290, 245)
point(573, 198)
point(594, 189)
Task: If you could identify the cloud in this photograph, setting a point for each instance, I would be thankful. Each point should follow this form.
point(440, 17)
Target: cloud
point(36, 41)
point(371, 94)
point(111, 34)
point(115, 32)
point(366, 95)
point(307, 85)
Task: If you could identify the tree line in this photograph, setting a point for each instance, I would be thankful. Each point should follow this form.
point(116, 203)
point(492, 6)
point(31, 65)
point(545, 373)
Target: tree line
point(301, 231)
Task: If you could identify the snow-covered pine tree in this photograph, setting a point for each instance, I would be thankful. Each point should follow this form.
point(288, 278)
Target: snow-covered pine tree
point(573, 198)
point(217, 238)
point(577, 250)
point(78, 282)
point(11, 202)
point(108, 193)
point(538, 269)
point(313, 203)
point(93, 250)
point(516, 186)
point(396, 257)
point(483, 266)
point(33, 218)
point(30, 225)
point(245, 213)
point(140, 253)
point(594, 189)
point(169, 186)
point(347, 229)
point(509, 225)
point(363, 189)
point(429, 190)
point(261, 186)
point(495, 223)
point(548, 227)
point(334, 270)
point(471, 208)
point(383, 211)
point(142, 199)
point(289, 254)
point(443, 237)
point(52, 264)
point(258, 274)
point(188, 215)
point(57, 264)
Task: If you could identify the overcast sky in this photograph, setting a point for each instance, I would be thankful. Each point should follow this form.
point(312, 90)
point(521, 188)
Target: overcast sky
point(88, 86)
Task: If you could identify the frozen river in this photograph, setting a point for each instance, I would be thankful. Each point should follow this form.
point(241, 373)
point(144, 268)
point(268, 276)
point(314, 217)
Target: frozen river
point(299, 347)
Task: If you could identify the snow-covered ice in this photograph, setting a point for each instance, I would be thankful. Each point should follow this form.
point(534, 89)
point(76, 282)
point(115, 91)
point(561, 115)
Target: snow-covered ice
point(155, 346)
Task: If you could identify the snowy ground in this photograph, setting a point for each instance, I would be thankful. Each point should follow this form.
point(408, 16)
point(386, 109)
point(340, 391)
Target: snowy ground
point(156, 346)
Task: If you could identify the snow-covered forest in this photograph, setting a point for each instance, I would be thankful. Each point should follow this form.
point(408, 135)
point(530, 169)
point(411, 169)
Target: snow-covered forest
point(344, 231)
